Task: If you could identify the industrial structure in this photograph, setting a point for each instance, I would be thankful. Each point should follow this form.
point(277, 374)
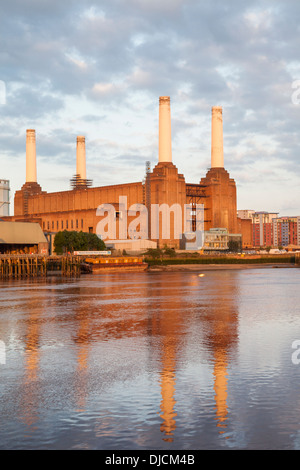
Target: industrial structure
point(22, 237)
point(76, 209)
point(4, 198)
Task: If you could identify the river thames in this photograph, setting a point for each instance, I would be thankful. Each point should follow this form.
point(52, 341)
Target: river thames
point(151, 360)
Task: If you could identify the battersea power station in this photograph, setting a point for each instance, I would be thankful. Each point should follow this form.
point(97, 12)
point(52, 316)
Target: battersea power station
point(163, 186)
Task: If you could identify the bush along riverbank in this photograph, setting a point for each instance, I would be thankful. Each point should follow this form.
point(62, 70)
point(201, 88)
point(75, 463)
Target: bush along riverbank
point(220, 260)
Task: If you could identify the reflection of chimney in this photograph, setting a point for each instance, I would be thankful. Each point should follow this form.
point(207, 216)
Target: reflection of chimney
point(30, 156)
point(217, 156)
point(80, 157)
point(165, 143)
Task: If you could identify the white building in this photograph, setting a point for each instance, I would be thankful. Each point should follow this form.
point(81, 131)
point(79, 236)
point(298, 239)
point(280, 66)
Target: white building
point(4, 198)
point(216, 239)
point(245, 213)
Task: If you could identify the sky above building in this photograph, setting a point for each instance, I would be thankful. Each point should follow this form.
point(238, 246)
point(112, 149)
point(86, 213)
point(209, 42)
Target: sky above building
point(97, 68)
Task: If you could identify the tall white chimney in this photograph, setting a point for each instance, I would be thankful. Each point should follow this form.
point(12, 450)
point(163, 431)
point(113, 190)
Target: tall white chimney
point(165, 140)
point(217, 155)
point(30, 156)
point(81, 157)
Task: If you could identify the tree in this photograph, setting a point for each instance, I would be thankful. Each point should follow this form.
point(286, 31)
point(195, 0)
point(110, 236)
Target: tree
point(169, 251)
point(234, 246)
point(154, 252)
point(66, 241)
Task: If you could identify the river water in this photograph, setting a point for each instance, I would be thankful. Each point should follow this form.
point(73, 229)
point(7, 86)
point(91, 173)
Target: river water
point(181, 360)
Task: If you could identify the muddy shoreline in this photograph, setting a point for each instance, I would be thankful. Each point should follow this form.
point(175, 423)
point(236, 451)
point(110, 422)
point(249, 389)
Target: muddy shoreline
point(218, 267)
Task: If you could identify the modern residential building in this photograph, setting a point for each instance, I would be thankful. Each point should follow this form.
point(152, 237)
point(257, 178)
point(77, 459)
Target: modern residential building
point(262, 228)
point(286, 231)
point(245, 213)
point(268, 229)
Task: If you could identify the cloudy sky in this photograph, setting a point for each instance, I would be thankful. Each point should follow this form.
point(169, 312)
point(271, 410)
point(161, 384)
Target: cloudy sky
point(97, 68)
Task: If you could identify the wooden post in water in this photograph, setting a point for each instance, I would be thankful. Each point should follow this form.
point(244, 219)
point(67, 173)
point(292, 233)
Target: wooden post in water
point(18, 266)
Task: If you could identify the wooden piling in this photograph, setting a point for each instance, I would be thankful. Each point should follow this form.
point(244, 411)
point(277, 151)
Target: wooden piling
point(20, 266)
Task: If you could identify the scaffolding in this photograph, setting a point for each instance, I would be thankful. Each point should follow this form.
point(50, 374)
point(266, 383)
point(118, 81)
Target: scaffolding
point(147, 193)
point(79, 183)
point(195, 193)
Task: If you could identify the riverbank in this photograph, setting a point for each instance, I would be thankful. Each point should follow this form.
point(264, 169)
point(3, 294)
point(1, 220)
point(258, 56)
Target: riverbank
point(18, 266)
point(218, 267)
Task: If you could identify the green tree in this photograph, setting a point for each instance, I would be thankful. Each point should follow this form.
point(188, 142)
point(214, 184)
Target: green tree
point(66, 241)
point(169, 251)
point(234, 246)
point(154, 252)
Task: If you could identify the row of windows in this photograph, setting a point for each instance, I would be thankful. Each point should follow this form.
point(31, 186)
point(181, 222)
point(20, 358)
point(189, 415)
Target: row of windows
point(62, 225)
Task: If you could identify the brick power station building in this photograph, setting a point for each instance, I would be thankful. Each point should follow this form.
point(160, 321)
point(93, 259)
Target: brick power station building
point(76, 209)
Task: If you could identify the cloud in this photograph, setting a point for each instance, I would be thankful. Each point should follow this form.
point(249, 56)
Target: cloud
point(99, 68)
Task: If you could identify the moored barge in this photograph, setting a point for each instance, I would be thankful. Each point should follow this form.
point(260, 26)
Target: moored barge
point(101, 265)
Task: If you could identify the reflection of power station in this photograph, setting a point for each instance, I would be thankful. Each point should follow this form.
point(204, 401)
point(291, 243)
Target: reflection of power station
point(76, 209)
point(167, 384)
point(4, 198)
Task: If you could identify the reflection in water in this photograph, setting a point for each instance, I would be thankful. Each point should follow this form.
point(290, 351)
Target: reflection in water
point(82, 341)
point(222, 339)
point(220, 387)
point(167, 382)
point(149, 361)
point(31, 365)
point(167, 325)
point(220, 323)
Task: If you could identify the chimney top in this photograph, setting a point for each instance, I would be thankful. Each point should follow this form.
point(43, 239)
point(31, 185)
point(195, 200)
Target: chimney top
point(164, 99)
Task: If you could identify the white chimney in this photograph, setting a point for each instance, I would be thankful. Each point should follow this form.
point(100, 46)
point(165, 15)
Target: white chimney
point(81, 157)
point(30, 156)
point(165, 140)
point(217, 155)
